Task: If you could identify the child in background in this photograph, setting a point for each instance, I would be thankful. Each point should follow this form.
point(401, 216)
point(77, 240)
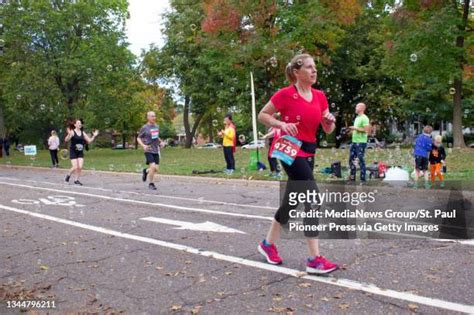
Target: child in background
point(437, 160)
point(421, 152)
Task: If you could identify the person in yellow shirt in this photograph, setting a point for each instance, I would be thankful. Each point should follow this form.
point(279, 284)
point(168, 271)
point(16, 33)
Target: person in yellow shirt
point(229, 141)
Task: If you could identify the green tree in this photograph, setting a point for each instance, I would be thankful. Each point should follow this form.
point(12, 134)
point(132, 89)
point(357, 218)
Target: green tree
point(66, 59)
point(179, 62)
point(211, 46)
point(429, 50)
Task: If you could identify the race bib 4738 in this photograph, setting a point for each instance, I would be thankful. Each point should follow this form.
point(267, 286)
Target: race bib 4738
point(286, 148)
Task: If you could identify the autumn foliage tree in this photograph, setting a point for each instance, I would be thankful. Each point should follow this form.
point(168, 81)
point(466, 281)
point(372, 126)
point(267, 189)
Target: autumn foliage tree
point(362, 50)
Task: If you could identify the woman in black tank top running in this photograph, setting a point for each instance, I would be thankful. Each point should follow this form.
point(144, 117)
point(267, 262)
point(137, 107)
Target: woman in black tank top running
point(78, 142)
point(78, 139)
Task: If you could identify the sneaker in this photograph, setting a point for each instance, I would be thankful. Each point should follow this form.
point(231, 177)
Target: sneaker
point(151, 186)
point(144, 174)
point(270, 253)
point(68, 177)
point(277, 176)
point(78, 183)
point(320, 265)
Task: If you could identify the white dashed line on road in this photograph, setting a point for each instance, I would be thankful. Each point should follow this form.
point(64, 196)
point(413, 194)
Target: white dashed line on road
point(146, 203)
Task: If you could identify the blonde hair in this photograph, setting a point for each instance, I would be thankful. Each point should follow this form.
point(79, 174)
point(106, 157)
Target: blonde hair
point(295, 64)
point(427, 129)
point(53, 132)
point(438, 138)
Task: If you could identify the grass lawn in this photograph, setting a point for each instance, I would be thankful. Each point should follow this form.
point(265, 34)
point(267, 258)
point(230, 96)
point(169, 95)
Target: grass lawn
point(179, 161)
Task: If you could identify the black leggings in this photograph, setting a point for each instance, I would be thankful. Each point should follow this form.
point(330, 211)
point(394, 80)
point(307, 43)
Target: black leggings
point(54, 157)
point(229, 158)
point(274, 165)
point(300, 180)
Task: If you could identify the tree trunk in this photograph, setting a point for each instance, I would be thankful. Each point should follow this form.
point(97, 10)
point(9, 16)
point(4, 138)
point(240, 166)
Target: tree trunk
point(124, 135)
point(189, 139)
point(190, 133)
point(70, 91)
point(458, 138)
point(2, 130)
point(2, 123)
point(211, 132)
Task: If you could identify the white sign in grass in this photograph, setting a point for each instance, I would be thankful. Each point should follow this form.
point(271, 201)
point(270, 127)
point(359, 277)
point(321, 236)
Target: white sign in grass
point(30, 150)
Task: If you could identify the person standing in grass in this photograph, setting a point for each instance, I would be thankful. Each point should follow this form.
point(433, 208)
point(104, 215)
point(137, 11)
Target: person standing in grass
point(437, 160)
point(53, 145)
point(423, 146)
point(228, 143)
point(360, 131)
point(149, 139)
point(6, 145)
point(78, 140)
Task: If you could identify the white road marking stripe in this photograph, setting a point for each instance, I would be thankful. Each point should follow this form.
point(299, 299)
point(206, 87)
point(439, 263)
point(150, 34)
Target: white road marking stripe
point(345, 283)
point(232, 214)
point(149, 195)
point(464, 242)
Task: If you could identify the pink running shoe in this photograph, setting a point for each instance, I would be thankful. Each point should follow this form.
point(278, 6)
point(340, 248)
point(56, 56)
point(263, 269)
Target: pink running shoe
point(320, 265)
point(270, 253)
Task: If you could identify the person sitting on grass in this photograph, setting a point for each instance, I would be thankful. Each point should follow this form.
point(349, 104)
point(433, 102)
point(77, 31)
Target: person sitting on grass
point(421, 152)
point(437, 160)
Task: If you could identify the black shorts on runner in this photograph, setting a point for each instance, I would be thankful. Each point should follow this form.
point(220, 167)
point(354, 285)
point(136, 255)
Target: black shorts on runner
point(73, 154)
point(421, 163)
point(152, 158)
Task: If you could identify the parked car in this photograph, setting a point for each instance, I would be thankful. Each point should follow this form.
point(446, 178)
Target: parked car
point(372, 143)
point(119, 146)
point(210, 145)
point(251, 145)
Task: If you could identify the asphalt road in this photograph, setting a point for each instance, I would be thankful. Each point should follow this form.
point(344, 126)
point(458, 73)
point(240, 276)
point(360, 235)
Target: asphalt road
point(114, 246)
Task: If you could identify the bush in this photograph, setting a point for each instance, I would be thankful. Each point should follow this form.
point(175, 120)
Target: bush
point(32, 137)
point(167, 130)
